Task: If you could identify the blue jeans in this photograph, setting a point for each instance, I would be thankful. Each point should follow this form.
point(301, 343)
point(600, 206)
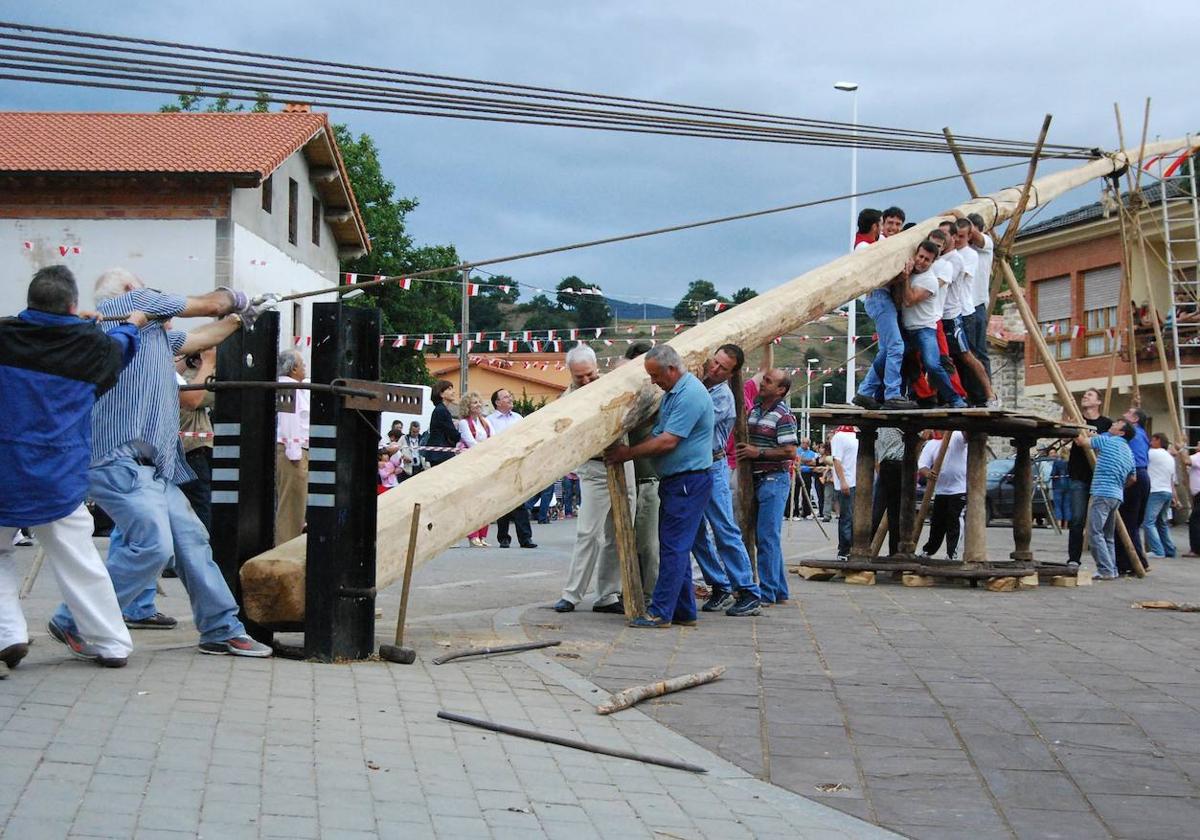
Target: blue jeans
point(924, 342)
point(570, 486)
point(976, 329)
point(541, 504)
point(883, 380)
point(1080, 490)
point(153, 523)
point(682, 500)
point(1102, 530)
point(728, 567)
point(1156, 529)
point(771, 491)
point(845, 521)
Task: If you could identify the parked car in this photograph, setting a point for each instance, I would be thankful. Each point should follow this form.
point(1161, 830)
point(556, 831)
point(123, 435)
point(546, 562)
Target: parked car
point(1000, 490)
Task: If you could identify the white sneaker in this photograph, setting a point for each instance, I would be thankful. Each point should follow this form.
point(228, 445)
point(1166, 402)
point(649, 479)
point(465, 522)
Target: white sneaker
point(21, 540)
point(994, 402)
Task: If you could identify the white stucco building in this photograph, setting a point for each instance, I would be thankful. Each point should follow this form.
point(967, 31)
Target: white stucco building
point(187, 201)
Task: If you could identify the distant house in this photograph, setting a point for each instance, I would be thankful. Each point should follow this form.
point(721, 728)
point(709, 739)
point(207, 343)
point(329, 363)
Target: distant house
point(1074, 264)
point(538, 376)
point(260, 202)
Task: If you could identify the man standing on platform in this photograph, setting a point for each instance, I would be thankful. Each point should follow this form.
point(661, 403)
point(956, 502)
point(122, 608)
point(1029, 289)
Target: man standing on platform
point(291, 452)
point(950, 495)
point(976, 325)
point(727, 570)
point(595, 534)
point(1079, 472)
point(681, 442)
point(502, 418)
point(770, 449)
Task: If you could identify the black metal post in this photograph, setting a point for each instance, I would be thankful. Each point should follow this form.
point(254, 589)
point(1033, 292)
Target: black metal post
point(243, 474)
point(339, 615)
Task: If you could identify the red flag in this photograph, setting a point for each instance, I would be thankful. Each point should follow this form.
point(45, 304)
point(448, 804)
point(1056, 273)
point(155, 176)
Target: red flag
point(472, 290)
point(405, 283)
point(399, 342)
point(351, 279)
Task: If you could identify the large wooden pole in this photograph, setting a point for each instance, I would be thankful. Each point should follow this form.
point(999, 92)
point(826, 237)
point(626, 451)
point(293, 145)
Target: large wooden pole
point(927, 497)
point(975, 542)
point(554, 440)
point(864, 481)
point(634, 598)
point(1022, 522)
point(744, 500)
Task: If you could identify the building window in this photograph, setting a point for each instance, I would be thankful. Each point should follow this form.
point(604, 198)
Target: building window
point(293, 209)
point(1101, 289)
point(316, 221)
point(297, 322)
point(1054, 315)
point(267, 193)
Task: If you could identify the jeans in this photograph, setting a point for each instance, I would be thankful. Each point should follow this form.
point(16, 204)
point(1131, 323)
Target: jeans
point(1080, 491)
point(154, 522)
point(1157, 531)
point(541, 504)
point(682, 500)
point(845, 522)
point(728, 567)
point(199, 492)
point(883, 380)
point(886, 497)
point(771, 491)
point(1194, 525)
point(1062, 501)
point(570, 487)
point(924, 342)
point(976, 330)
point(1102, 529)
point(1133, 513)
point(944, 522)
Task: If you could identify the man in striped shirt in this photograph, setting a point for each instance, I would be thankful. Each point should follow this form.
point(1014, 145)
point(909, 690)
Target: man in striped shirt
point(138, 464)
point(771, 448)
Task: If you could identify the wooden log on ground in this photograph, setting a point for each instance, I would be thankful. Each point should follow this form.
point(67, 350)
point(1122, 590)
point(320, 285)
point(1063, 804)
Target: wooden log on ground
point(1166, 605)
point(556, 439)
point(863, 578)
point(638, 693)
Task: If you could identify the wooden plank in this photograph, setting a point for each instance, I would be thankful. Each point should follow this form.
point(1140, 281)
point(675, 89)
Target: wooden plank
point(556, 439)
point(633, 597)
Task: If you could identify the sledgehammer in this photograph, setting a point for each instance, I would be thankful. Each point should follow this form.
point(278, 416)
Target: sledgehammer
point(398, 653)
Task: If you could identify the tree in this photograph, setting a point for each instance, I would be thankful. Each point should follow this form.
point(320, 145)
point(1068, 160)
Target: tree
point(189, 102)
point(589, 310)
point(744, 294)
point(545, 314)
point(494, 287)
point(698, 291)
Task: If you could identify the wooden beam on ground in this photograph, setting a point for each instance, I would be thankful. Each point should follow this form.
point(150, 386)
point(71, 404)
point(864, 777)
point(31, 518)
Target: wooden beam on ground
point(556, 439)
point(630, 696)
point(633, 597)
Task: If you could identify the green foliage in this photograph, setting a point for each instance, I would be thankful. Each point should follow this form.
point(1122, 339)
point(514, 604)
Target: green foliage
point(190, 102)
point(545, 314)
point(697, 292)
point(744, 294)
point(589, 310)
point(525, 404)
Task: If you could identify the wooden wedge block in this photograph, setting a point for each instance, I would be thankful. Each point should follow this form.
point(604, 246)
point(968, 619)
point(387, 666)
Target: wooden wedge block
point(816, 573)
point(1028, 582)
point(1001, 584)
point(1083, 577)
point(861, 578)
point(1066, 580)
point(911, 579)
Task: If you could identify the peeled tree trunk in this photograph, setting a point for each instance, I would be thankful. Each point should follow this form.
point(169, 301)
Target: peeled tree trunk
point(490, 479)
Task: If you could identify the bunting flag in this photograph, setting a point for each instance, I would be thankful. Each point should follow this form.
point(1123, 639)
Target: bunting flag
point(470, 345)
point(429, 338)
point(557, 346)
point(678, 328)
point(449, 345)
point(351, 279)
point(527, 335)
point(654, 329)
point(491, 346)
point(380, 341)
point(399, 342)
point(297, 340)
point(420, 345)
point(512, 347)
point(405, 283)
point(599, 330)
point(827, 339)
point(1051, 329)
point(721, 305)
point(607, 343)
point(777, 340)
point(479, 336)
point(550, 335)
point(378, 277)
point(472, 290)
point(537, 346)
point(504, 289)
point(457, 339)
point(1077, 331)
point(574, 335)
point(504, 335)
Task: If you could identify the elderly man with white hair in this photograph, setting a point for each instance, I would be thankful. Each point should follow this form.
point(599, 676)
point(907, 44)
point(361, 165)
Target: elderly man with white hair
point(291, 452)
point(595, 537)
point(137, 464)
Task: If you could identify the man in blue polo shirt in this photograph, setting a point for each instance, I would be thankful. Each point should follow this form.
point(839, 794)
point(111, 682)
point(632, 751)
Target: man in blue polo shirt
point(1114, 468)
point(681, 444)
point(1133, 508)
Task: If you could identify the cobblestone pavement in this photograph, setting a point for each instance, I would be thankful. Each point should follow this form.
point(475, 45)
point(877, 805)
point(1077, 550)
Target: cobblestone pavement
point(944, 712)
point(182, 745)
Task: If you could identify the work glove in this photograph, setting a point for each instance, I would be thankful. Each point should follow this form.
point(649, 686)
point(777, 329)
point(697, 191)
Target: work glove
point(257, 306)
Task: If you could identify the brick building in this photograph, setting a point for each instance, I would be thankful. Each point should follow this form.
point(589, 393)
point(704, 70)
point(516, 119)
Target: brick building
point(260, 202)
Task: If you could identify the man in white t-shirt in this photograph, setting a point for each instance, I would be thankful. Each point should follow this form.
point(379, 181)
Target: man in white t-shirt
point(1161, 467)
point(950, 494)
point(977, 325)
point(959, 258)
point(920, 312)
point(843, 449)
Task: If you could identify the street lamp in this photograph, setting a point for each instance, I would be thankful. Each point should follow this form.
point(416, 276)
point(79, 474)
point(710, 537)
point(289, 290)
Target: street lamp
point(824, 400)
point(852, 308)
point(807, 431)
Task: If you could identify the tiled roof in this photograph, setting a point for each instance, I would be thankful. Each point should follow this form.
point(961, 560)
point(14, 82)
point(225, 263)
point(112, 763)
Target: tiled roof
point(232, 143)
point(1091, 212)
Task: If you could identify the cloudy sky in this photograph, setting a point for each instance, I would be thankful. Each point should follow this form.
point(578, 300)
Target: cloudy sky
point(985, 69)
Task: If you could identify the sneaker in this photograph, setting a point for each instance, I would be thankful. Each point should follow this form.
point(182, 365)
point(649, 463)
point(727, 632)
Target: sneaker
point(475, 542)
point(529, 545)
point(158, 621)
point(503, 543)
point(111, 661)
point(842, 558)
point(78, 647)
point(563, 605)
point(13, 654)
point(960, 403)
point(237, 646)
point(684, 622)
point(899, 404)
point(719, 601)
point(20, 540)
point(648, 621)
point(994, 402)
point(616, 607)
point(746, 604)
point(866, 401)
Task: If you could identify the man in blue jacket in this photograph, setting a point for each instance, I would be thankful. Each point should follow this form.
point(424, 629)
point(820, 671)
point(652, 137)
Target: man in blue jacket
point(53, 366)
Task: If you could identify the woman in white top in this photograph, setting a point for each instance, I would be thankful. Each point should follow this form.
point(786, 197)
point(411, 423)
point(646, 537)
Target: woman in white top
point(474, 428)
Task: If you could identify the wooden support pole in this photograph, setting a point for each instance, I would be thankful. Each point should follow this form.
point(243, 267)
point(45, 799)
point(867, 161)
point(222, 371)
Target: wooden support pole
point(910, 527)
point(927, 497)
point(975, 544)
point(864, 485)
point(880, 534)
point(633, 597)
point(962, 164)
point(1022, 522)
point(1064, 394)
point(744, 501)
point(1159, 343)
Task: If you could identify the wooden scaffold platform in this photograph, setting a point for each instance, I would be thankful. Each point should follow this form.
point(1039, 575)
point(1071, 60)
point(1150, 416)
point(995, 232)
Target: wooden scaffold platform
point(1018, 571)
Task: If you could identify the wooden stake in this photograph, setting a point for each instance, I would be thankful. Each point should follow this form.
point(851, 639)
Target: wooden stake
point(962, 165)
point(880, 534)
point(744, 504)
point(638, 693)
point(927, 498)
point(633, 598)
